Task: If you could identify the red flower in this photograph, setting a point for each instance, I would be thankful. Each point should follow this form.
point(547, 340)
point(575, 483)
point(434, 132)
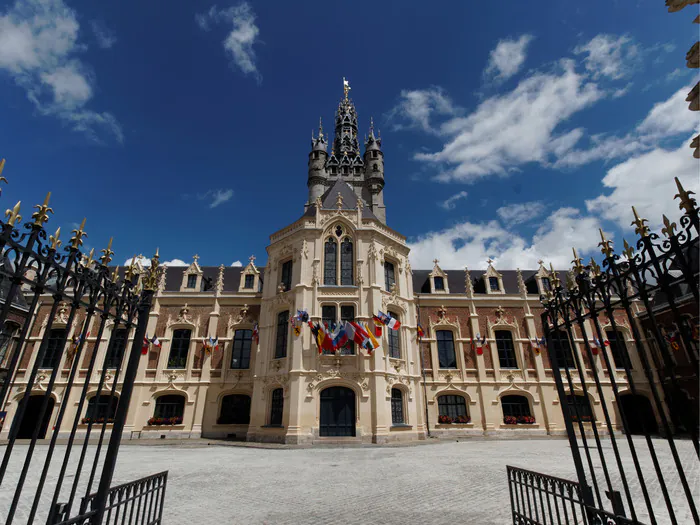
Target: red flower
point(445, 420)
point(510, 420)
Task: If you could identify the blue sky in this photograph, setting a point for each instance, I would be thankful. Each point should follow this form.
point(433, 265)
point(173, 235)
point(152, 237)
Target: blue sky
point(511, 130)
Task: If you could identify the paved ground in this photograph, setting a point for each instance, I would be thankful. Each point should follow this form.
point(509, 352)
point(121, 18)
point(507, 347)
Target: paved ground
point(438, 482)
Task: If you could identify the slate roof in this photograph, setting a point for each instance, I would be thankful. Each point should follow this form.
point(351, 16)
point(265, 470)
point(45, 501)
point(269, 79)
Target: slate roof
point(329, 198)
point(232, 278)
point(456, 284)
point(18, 300)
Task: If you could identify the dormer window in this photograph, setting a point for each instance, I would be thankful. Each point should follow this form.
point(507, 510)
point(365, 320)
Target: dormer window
point(374, 155)
point(439, 283)
point(546, 284)
point(191, 281)
point(249, 282)
point(493, 284)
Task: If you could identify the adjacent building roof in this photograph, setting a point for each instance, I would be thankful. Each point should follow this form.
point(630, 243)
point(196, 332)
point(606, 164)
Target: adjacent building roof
point(457, 285)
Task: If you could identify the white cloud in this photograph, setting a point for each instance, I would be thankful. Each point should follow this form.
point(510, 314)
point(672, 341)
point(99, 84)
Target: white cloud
point(507, 57)
point(520, 212)
point(175, 262)
point(449, 204)
point(417, 107)
point(105, 38)
point(145, 261)
point(219, 197)
point(239, 42)
point(670, 117)
point(507, 130)
point(38, 44)
point(610, 56)
point(470, 244)
point(646, 182)
point(236, 263)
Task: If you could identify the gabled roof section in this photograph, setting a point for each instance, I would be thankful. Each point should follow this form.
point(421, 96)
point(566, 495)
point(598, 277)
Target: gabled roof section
point(348, 200)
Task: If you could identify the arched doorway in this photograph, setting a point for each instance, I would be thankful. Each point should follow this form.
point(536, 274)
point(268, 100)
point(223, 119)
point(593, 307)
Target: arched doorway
point(337, 412)
point(639, 414)
point(31, 415)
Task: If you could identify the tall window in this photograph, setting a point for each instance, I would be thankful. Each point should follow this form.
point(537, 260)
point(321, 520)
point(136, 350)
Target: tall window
point(170, 406)
point(493, 284)
point(6, 341)
point(240, 351)
point(347, 313)
point(515, 406)
point(446, 349)
point(282, 333)
point(191, 281)
point(249, 282)
point(562, 350)
point(389, 276)
point(54, 348)
point(117, 346)
point(179, 347)
point(329, 316)
point(506, 349)
point(397, 407)
point(330, 262)
point(235, 410)
point(618, 348)
point(439, 283)
point(452, 406)
point(276, 407)
point(580, 404)
point(103, 406)
point(346, 262)
point(394, 340)
point(287, 275)
point(546, 284)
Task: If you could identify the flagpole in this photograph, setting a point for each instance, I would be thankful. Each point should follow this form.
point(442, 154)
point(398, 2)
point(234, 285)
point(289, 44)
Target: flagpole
point(422, 368)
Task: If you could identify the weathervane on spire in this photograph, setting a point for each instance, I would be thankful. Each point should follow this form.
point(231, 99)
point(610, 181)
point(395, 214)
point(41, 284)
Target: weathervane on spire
point(346, 88)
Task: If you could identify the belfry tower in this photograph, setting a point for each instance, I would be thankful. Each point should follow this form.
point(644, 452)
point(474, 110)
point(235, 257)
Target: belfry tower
point(365, 173)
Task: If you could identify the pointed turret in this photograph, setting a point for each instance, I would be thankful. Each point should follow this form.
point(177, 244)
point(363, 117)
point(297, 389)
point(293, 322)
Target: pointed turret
point(374, 173)
point(318, 176)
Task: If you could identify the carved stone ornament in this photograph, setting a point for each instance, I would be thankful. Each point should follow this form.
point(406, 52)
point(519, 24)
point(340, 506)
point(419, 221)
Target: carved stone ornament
point(443, 320)
point(392, 299)
point(161, 281)
point(372, 252)
point(468, 284)
point(282, 299)
point(314, 277)
point(305, 249)
point(183, 317)
point(220, 280)
point(240, 318)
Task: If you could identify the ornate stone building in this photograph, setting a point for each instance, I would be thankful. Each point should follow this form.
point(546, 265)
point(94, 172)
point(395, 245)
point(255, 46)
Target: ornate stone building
point(475, 371)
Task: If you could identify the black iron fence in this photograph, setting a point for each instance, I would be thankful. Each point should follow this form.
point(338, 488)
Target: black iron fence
point(56, 305)
point(636, 323)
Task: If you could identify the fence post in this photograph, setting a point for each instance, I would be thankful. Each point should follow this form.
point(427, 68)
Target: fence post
point(100, 501)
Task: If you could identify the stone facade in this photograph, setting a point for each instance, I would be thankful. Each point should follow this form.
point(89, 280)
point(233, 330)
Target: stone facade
point(340, 253)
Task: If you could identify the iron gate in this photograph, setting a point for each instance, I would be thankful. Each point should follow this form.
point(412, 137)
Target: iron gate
point(56, 305)
point(646, 298)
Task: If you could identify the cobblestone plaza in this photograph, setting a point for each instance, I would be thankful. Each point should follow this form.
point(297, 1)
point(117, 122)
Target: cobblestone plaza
point(437, 482)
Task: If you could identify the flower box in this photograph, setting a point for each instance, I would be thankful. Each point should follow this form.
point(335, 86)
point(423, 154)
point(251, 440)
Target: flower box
point(161, 421)
point(98, 421)
point(519, 420)
point(459, 420)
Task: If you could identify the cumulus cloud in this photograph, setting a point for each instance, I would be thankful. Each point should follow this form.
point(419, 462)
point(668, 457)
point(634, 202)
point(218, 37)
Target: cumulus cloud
point(236, 263)
point(38, 49)
point(105, 38)
point(175, 262)
point(610, 56)
point(646, 182)
point(239, 41)
point(145, 261)
point(416, 108)
point(506, 58)
point(520, 212)
point(504, 131)
point(471, 244)
point(450, 203)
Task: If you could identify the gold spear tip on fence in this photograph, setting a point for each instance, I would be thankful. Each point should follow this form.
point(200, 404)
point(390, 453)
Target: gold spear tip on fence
point(595, 268)
point(553, 275)
point(42, 214)
point(77, 240)
point(641, 229)
point(577, 262)
point(107, 253)
point(2, 167)
point(669, 227)
point(14, 216)
point(687, 202)
point(115, 274)
point(628, 251)
point(605, 244)
point(55, 242)
point(129, 273)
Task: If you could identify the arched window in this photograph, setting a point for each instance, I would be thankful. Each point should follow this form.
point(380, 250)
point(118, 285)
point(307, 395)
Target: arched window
point(581, 405)
point(506, 349)
point(346, 262)
point(397, 407)
point(453, 407)
point(276, 407)
point(235, 410)
point(515, 406)
point(54, 348)
point(179, 347)
point(618, 348)
point(282, 332)
point(330, 262)
point(117, 346)
point(240, 351)
point(100, 407)
point(561, 347)
point(446, 349)
point(170, 406)
point(394, 340)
